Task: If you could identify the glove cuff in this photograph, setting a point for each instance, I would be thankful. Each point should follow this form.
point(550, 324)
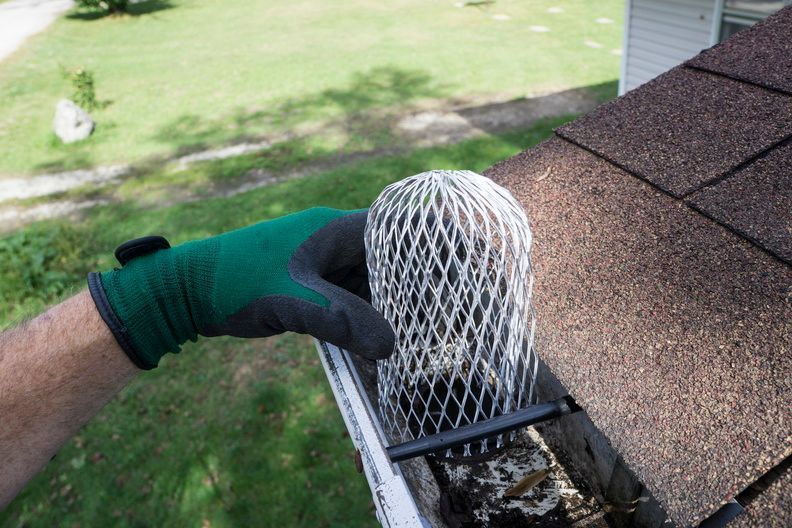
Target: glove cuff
point(145, 306)
point(115, 325)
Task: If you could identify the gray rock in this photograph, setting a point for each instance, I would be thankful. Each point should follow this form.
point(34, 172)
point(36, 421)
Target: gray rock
point(71, 122)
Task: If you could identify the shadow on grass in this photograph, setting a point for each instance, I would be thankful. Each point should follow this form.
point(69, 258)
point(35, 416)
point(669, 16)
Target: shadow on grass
point(352, 184)
point(386, 88)
point(368, 114)
point(145, 7)
point(363, 116)
point(398, 134)
point(157, 182)
point(77, 155)
point(65, 163)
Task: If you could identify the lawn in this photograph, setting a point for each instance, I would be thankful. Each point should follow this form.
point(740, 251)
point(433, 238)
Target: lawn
point(180, 76)
point(233, 432)
point(229, 432)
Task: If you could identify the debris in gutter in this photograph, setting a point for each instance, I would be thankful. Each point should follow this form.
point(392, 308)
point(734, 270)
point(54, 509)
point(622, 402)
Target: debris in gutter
point(527, 482)
point(546, 173)
point(358, 461)
point(478, 501)
point(497, 493)
point(624, 507)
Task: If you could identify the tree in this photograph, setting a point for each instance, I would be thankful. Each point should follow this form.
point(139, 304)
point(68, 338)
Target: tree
point(110, 6)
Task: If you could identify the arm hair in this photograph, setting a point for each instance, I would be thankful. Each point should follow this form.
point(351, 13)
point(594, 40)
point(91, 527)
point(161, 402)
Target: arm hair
point(56, 372)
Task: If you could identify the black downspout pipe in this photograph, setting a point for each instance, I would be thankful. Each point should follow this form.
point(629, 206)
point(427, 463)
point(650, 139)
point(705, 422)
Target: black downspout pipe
point(484, 429)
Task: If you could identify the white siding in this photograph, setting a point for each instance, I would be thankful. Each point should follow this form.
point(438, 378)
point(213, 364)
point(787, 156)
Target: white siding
point(659, 34)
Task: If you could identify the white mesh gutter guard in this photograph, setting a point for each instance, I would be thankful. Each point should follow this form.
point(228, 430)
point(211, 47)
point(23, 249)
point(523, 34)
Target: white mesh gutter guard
point(449, 267)
point(449, 260)
point(392, 498)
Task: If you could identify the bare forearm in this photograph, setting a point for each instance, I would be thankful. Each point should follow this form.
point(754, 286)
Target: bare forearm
point(56, 372)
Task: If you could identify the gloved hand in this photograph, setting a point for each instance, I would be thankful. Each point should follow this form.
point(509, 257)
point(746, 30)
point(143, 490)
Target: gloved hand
point(304, 272)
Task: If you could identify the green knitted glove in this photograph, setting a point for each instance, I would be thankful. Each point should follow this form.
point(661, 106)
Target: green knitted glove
point(305, 272)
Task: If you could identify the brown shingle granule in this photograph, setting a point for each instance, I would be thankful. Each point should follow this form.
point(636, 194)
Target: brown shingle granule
point(685, 128)
point(761, 54)
point(772, 509)
point(756, 201)
point(673, 333)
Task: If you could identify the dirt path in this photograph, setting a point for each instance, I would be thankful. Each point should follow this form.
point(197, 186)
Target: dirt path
point(20, 19)
point(446, 122)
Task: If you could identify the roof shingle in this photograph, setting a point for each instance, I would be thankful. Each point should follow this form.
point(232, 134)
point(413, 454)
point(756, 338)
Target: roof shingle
point(670, 320)
point(756, 202)
point(673, 333)
point(761, 54)
point(685, 128)
point(772, 509)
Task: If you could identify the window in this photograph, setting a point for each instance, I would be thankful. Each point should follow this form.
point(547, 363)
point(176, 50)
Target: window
point(740, 14)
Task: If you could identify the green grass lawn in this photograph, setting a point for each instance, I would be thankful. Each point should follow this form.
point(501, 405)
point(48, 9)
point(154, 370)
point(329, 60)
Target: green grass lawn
point(230, 432)
point(183, 75)
point(234, 432)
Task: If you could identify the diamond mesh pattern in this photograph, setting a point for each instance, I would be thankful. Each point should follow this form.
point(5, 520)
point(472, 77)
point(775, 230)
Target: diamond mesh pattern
point(449, 266)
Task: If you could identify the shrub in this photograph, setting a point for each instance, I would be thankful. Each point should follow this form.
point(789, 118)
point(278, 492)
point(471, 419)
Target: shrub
point(84, 93)
point(37, 267)
point(109, 6)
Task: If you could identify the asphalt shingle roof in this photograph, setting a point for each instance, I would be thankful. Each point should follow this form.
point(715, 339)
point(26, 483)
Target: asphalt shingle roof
point(763, 211)
point(658, 321)
point(685, 128)
point(761, 56)
point(772, 508)
point(662, 232)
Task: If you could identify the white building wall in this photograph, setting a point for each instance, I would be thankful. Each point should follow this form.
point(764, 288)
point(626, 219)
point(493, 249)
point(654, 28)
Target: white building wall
point(660, 34)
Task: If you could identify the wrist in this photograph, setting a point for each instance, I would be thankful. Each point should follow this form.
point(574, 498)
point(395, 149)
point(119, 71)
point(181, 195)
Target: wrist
point(150, 303)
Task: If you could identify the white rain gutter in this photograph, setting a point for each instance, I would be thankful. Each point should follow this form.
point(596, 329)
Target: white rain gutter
point(395, 505)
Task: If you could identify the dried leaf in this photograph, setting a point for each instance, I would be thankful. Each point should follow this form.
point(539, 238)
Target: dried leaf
point(627, 507)
point(545, 174)
point(611, 507)
point(527, 482)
